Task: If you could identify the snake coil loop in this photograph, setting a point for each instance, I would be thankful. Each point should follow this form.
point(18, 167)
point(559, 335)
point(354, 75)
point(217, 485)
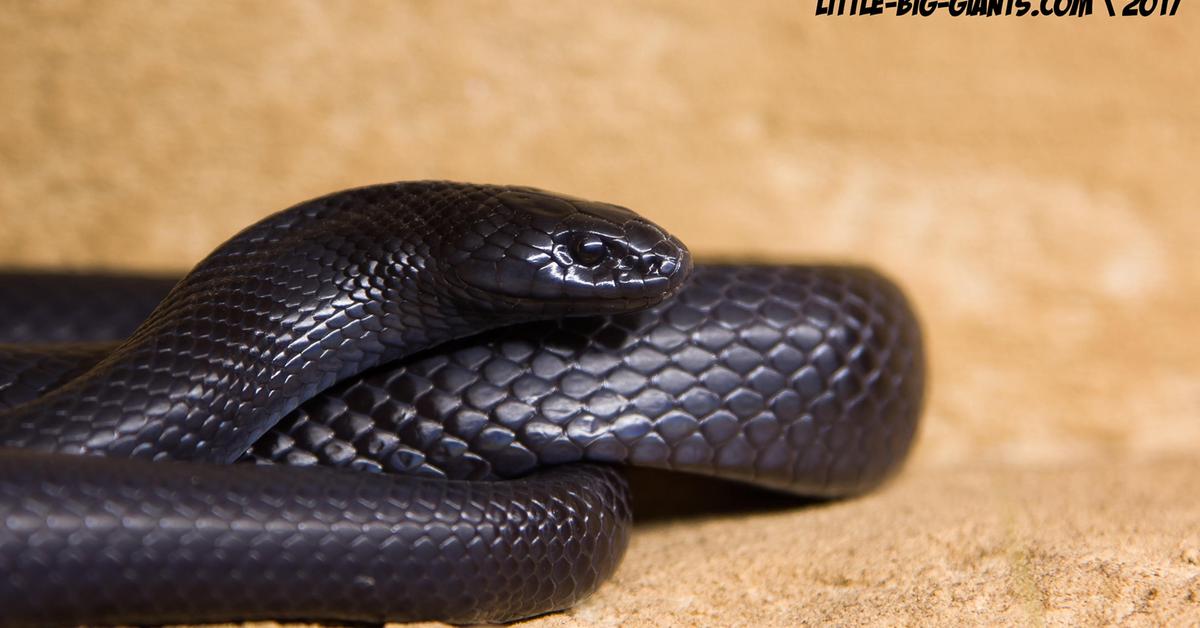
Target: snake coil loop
point(412, 464)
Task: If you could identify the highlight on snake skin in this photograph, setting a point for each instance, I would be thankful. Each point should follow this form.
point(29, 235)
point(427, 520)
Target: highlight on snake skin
point(415, 401)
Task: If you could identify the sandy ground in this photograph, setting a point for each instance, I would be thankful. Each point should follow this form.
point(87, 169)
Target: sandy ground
point(1030, 181)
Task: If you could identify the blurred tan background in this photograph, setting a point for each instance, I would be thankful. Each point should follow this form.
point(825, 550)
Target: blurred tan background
point(1030, 181)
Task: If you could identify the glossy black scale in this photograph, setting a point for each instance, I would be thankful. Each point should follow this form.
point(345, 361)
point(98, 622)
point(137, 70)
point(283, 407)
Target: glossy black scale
point(92, 531)
point(807, 379)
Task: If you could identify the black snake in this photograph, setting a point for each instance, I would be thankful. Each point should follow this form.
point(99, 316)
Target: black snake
point(349, 335)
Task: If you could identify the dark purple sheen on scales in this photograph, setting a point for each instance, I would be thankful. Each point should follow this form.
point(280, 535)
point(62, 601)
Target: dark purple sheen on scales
point(446, 362)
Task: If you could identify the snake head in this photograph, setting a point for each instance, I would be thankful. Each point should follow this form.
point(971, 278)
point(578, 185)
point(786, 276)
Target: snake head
point(554, 254)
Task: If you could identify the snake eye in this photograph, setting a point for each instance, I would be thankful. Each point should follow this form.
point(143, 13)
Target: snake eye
point(589, 250)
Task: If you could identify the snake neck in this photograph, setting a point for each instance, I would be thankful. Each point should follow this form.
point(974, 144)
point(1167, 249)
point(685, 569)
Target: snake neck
point(286, 308)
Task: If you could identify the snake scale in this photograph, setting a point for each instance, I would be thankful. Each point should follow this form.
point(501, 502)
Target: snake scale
point(427, 385)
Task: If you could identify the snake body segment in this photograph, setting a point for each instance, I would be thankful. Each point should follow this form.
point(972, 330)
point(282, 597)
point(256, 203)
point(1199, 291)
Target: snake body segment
point(803, 379)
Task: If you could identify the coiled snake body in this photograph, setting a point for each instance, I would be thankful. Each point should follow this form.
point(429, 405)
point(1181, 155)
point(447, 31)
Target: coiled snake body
point(345, 332)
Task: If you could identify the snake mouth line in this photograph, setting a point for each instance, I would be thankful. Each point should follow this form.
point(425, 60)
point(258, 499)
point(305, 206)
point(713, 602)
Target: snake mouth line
point(595, 306)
